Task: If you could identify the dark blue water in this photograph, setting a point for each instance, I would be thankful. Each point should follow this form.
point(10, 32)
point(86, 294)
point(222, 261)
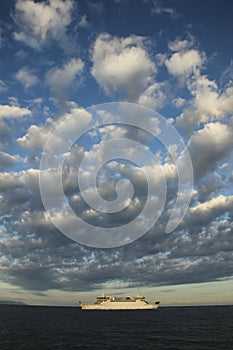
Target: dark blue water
point(48, 328)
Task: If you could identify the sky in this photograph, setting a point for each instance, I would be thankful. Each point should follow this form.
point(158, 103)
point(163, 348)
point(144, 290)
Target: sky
point(58, 59)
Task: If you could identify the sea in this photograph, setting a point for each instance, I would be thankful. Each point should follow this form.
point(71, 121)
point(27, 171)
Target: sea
point(70, 328)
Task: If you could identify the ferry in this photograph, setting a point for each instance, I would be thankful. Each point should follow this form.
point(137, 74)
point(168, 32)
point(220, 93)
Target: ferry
point(120, 303)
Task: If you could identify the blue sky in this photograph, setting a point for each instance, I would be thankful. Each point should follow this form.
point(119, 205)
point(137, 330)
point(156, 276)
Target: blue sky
point(60, 57)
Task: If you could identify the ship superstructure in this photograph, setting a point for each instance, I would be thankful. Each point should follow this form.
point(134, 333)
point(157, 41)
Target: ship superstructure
point(120, 303)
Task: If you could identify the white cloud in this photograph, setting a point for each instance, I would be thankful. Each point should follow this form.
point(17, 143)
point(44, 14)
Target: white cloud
point(13, 101)
point(62, 77)
point(206, 211)
point(110, 131)
point(122, 65)
point(188, 119)
point(184, 63)
point(209, 145)
point(35, 139)
point(210, 186)
point(37, 136)
point(154, 96)
point(40, 21)
point(209, 103)
point(7, 160)
point(59, 79)
point(9, 112)
point(20, 188)
point(8, 181)
point(180, 44)
point(26, 77)
point(179, 102)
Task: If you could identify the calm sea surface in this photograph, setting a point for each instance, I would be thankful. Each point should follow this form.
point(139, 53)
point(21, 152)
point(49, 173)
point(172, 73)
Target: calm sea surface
point(48, 328)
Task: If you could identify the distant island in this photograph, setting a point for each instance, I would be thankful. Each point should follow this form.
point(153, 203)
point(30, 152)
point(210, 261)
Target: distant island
point(11, 302)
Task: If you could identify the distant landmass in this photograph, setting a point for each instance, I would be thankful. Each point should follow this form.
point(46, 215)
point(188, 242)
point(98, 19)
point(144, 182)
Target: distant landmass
point(11, 302)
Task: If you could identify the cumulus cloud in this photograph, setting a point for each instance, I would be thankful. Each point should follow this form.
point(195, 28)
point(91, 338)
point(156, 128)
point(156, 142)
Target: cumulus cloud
point(209, 100)
point(60, 79)
point(154, 96)
point(215, 207)
point(36, 137)
point(179, 102)
point(209, 145)
point(122, 65)
point(26, 77)
point(209, 103)
point(21, 188)
point(180, 45)
point(40, 21)
point(184, 63)
point(210, 186)
point(12, 112)
point(7, 160)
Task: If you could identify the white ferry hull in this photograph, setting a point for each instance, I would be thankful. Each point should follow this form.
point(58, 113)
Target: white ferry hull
point(112, 304)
